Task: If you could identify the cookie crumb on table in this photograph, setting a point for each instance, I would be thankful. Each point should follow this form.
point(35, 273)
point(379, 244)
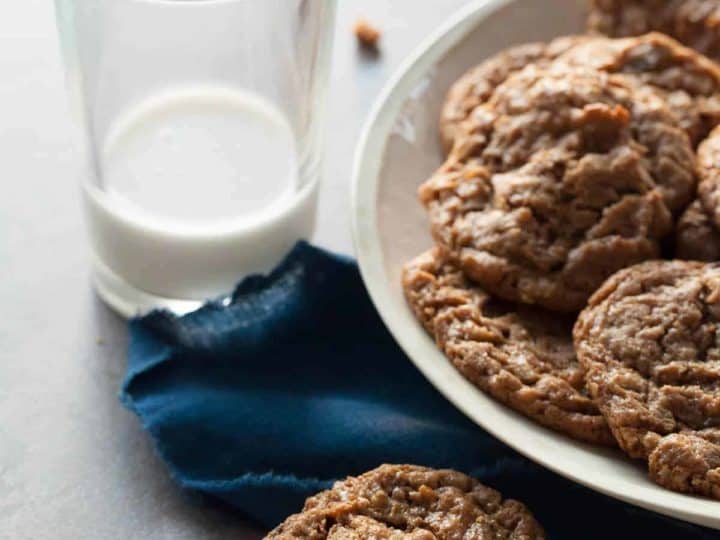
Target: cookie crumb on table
point(366, 34)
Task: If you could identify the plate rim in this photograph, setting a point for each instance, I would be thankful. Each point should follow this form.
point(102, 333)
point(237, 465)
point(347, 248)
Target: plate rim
point(411, 338)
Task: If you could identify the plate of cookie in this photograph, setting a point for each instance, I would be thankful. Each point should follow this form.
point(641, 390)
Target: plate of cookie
point(536, 207)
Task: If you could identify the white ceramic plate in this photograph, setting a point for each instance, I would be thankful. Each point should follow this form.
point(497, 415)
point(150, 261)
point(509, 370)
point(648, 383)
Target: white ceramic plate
point(398, 150)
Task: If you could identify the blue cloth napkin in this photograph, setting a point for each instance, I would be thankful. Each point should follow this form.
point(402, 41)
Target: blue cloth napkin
point(297, 383)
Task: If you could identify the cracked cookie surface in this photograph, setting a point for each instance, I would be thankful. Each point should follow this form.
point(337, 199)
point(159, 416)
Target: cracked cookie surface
point(520, 355)
point(696, 237)
point(688, 81)
point(695, 23)
point(563, 177)
point(407, 502)
point(650, 341)
point(477, 84)
point(708, 159)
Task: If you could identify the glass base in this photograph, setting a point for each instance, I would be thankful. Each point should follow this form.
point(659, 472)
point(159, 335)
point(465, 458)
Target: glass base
point(129, 301)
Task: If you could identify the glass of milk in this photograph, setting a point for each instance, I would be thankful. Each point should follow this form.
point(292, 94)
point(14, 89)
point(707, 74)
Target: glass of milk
point(200, 126)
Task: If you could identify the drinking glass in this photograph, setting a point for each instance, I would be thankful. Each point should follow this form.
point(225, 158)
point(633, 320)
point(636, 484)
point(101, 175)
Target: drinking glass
point(200, 136)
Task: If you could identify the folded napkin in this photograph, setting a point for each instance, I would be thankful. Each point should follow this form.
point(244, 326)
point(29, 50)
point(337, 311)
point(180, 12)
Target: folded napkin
point(296, 383)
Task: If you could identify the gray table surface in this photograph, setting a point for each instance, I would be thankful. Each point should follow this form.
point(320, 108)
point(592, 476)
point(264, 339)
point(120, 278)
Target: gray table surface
point(73, 463)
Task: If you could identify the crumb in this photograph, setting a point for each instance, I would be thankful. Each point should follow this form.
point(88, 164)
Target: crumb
point(100, 341)
point(366, 34)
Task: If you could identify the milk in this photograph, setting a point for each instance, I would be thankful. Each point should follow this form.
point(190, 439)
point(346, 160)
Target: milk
point(199, 157)
point(198, 187)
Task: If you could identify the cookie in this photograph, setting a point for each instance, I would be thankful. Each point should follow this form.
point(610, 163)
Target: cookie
point(411, 503)
point(696, 237)
point(695, 23)
point(689, 82)
point(520, 355)
point(698, 229)
point(708, 158)
point(477, 85)
point(563, 177)
point(650, 341)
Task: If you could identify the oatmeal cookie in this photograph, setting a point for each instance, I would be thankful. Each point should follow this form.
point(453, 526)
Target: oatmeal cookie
point(695, 23)
point(696, 237)
point(650, 341)
point(689, 82)
point(698, 229)
point(477, 84)
point(563, 177)
point(520, 355)
point(708, 157)
point(410, 503)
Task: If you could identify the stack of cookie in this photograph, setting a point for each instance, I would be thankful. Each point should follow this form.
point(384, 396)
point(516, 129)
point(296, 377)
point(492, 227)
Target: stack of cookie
point(571, 178)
